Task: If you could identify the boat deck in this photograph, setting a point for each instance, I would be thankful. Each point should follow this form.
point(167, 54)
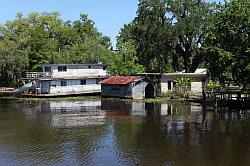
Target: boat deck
point(61, 94)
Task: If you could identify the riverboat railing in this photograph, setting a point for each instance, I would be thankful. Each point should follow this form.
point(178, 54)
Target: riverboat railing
point(228, 93)
point(35, 75)
point(5, 89)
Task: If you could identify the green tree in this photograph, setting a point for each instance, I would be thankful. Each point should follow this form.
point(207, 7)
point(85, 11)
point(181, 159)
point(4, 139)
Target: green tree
point(228, 44)
point(13, 51)
point(170, 32)
point(13, 61)
point(89, 46)
point(152, 35)
point(43, 39)
point(191, 20)
point(124, 61)
point(27, 43)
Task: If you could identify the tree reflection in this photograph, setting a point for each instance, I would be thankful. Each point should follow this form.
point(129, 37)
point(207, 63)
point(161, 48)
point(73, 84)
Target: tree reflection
point(129, 133)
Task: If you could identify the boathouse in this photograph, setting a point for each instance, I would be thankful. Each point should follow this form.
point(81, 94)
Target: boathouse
point(133, 87)
point(64, 80)
point(165, 82)
point(197, 81)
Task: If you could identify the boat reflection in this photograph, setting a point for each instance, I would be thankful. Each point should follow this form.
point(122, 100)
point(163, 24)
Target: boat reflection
point(90, 112)
point(97, 112)
point(74, 113)
point(118, 132)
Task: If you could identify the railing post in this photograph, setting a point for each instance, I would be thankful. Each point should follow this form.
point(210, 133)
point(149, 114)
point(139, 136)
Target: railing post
point(33, 75)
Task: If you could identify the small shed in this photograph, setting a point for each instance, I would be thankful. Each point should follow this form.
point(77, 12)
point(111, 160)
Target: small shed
point(133, 87)
point(197, 85)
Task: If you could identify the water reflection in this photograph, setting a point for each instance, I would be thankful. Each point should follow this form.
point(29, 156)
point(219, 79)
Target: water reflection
point(73, 114)
point(116, 132)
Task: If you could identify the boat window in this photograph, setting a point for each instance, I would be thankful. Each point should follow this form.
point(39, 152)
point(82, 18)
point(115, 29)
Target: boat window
point(89, 67)
point(47, 69)
point(63, 83)
point(83, 82)
point(62, 68)
point(104, 67)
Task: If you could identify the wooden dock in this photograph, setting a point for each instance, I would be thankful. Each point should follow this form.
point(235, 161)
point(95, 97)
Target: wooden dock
point(231, 97)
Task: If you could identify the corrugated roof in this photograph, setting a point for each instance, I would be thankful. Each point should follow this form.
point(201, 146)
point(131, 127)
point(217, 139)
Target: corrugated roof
point(120, 80)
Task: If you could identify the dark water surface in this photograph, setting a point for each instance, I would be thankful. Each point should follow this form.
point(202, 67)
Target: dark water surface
point(114, 132)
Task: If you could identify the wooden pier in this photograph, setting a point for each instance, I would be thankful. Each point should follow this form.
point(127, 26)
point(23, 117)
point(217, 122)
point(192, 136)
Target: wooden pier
point(231, 97)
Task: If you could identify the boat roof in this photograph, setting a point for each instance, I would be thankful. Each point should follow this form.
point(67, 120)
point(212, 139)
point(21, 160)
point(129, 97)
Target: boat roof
point(74, 65)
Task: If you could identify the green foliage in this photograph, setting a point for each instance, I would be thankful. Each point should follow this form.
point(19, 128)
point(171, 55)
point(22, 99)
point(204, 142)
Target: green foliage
point(150, 30)
point(165, 36)
point(191, 20)
point(124, 61)
point(219, 63)
point(13, 59)
point(213, 84)
point(169, 68)
point(166, 94)
point(169, 32)
point(27, 43)
point(228, 44)
point(183, 81)
point(172, 35)
point(182, 86)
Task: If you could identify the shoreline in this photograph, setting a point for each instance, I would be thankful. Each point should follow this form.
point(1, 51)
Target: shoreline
point(220, 103)
point(75, 98)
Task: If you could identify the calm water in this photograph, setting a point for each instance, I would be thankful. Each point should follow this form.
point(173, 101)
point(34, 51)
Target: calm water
point(114, 132)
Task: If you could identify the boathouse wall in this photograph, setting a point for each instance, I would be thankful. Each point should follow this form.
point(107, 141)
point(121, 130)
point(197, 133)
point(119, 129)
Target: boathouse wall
point(135, 89)
point(123, 91)
point(197, 85)
point(138, 91)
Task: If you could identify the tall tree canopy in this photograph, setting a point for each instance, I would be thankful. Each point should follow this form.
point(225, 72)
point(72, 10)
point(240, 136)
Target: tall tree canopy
point(28, 42)
point(169, 32)
point(124, 61)
point(165, 36)
point(151, 32)
point(228, 44)
point(191, 20)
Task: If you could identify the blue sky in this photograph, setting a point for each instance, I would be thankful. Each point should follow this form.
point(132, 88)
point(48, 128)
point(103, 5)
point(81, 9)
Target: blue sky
point(109, 15)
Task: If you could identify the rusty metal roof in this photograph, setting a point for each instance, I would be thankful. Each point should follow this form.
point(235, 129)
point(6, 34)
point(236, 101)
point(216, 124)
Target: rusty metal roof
point(120, 80)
